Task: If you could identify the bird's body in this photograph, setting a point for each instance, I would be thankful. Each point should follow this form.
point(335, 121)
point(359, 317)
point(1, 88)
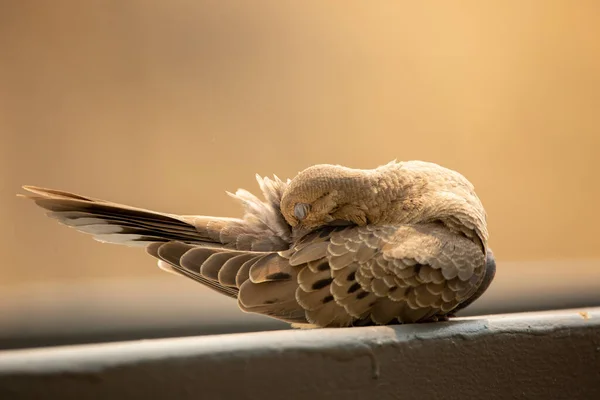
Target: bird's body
point(335, 246)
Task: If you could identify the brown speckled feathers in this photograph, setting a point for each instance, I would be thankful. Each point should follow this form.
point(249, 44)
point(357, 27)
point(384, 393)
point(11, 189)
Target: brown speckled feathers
point(405, 242)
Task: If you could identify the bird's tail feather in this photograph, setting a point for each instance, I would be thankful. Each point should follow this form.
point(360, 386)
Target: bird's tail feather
point(262, 227)
point(116, 223)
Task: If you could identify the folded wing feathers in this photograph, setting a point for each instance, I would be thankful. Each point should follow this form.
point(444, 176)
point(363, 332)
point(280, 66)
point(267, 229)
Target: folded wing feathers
point(172, 253)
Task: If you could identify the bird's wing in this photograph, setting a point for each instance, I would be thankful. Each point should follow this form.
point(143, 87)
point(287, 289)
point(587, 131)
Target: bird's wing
point(263, 282)
point(342, 276)
point(380, 274)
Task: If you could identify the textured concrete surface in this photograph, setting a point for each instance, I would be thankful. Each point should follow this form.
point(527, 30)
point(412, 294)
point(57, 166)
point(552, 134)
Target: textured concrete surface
point(548, 355)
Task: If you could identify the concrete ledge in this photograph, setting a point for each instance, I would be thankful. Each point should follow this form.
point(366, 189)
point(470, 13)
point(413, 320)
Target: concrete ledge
point(534, 355)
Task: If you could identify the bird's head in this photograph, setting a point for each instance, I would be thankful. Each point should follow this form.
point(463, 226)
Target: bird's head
point(395, 193)
point(323, 195)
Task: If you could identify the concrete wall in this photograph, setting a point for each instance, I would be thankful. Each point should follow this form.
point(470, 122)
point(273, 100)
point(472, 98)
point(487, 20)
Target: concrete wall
point(553, 355)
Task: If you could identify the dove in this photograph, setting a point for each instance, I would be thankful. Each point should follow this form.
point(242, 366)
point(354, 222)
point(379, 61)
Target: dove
point(405, 242)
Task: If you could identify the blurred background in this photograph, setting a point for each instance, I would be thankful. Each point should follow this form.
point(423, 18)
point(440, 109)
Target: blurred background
point(166, 105)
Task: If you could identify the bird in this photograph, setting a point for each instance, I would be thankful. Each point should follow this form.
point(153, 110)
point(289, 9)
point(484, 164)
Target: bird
point(405, 242)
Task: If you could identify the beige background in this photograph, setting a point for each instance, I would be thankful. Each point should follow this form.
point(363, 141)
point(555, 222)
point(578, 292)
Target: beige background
point(166, 105)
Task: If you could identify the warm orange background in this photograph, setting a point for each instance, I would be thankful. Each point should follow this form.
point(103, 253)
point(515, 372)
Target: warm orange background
point(166, 105)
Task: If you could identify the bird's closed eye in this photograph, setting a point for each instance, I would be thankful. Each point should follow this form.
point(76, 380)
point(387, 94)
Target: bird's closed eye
point(301, 210)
